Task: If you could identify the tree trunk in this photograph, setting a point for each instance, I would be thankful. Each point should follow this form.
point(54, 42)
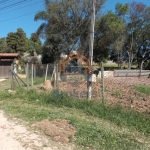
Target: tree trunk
point(118, 60)
point(141, 66)
point(129, 63)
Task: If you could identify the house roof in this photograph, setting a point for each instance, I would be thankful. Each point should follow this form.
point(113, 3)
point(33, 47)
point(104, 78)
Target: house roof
point(9, 54)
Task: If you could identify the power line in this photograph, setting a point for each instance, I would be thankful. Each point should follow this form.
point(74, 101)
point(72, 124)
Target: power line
point(21, 7)
point(13, 4)
point(18, 16)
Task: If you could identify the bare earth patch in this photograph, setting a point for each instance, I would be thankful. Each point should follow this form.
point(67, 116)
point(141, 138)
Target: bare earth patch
point(15, 136)
point(118, 90)
point(121, 91)
point(59, 130)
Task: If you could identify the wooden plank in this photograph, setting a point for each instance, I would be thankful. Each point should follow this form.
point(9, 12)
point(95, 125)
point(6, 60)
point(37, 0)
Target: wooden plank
point(4, 71)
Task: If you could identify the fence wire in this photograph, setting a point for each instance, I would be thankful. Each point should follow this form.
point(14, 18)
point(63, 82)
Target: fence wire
point(38, 73)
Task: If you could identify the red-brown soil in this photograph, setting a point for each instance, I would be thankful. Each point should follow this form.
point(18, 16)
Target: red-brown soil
point(58, 130)
point(118, 90)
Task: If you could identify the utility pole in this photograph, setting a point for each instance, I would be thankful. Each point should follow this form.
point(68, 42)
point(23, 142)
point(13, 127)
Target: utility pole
point(89, 83)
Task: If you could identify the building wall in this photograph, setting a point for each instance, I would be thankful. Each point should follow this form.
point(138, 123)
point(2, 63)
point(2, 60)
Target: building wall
point(5, 67)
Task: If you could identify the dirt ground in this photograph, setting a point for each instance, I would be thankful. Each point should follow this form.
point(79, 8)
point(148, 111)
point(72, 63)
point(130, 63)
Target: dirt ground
point(118, 90)
point(121, 91)
point(2, 80)
point(15, 136)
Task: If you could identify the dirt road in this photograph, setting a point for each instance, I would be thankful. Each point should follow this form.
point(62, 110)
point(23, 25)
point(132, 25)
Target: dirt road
point(15, 136)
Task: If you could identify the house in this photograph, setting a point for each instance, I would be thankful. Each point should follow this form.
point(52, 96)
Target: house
point(6, 60)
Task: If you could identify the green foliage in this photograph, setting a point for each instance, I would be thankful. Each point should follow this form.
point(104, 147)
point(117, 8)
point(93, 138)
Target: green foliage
point(66, 25)
point(125, 34)
point(105, 60)
point(34, 44)
point(121, 9)
point(3, 45)
point(143, 89)
point(115, 23)
point(35, 38)
point(108, 29)
point(16, 41)
point(137, 29)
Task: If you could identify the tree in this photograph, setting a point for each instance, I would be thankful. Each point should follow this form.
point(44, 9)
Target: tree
point(124, 33)
point(34, 44)
point(66, 25)
point(109, 30)
point(3, 45)
point(137, 42)
point(35, 38)
point(118, 47)
point(17, 41)
point(143, 45)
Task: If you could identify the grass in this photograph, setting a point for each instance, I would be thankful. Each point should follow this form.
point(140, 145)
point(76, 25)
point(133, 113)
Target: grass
point(117, 93)
point(38, 80)
point(143, 89)
point(98, 126)
point(6, 84)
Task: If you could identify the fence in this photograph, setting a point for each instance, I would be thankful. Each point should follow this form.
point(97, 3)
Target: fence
point(38, 73)
point(73, 82)
point(73, 78)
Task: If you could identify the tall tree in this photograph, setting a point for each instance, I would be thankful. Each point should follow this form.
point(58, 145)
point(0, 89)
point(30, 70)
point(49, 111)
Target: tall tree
point(109, 30)
point(35, 38)
point(34, 44)
point(17, 41)
point(138, 37)
point(3, 45)
point(125, 32)
point(66, 25)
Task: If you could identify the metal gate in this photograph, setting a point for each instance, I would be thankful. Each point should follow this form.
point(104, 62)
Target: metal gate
point(74, 76)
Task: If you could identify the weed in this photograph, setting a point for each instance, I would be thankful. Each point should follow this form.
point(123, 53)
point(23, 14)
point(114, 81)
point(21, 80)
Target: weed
point(143, 89)
point(117, 93)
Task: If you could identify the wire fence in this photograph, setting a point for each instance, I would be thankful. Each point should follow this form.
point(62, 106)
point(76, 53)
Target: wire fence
point(38, 73)
point(73, 81)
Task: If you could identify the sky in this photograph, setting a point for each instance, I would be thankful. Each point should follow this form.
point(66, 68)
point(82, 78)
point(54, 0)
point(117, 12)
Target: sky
point(16, 14)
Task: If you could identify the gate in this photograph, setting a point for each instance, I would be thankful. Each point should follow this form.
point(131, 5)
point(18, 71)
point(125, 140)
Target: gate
point(73, 76)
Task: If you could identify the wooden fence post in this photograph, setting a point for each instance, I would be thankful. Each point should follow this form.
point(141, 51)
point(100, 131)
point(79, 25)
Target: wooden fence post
point(27, 75)
point(102, 81)
point(34, 71)
point(46, 72)
point(32, 75)
point(57, 82)
point(12, 77)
